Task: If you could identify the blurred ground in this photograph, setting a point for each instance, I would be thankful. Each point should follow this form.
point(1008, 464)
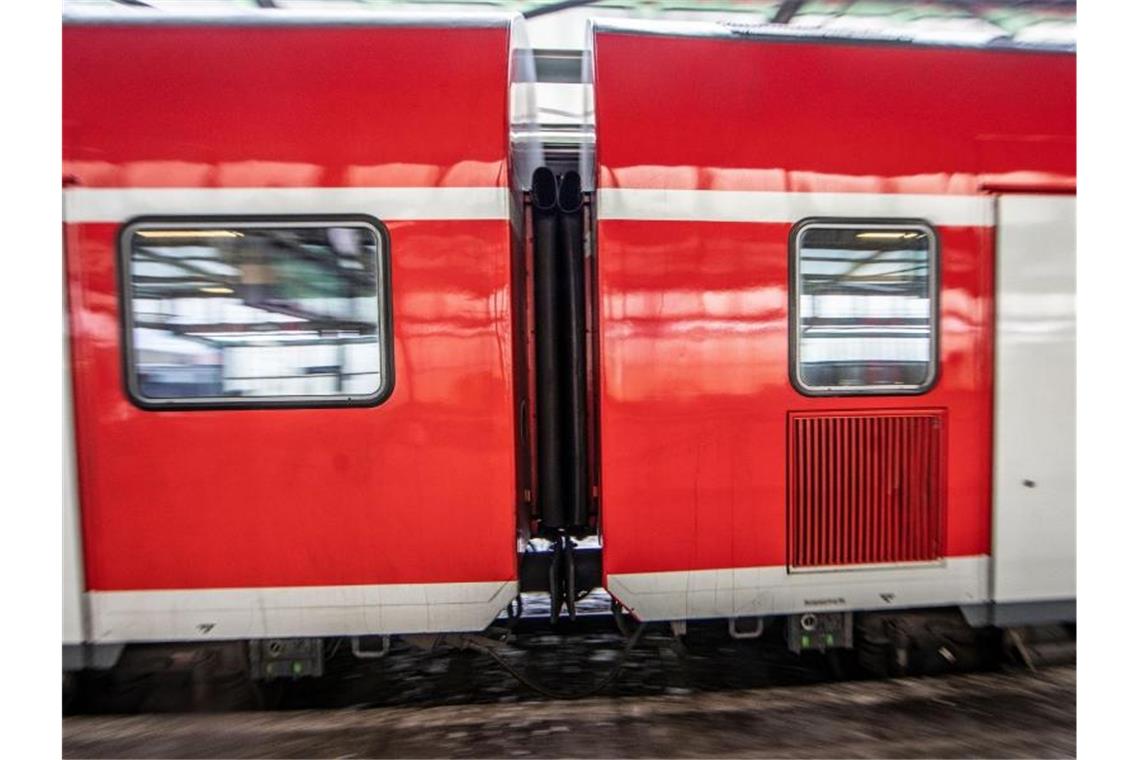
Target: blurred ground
point(1011, 714)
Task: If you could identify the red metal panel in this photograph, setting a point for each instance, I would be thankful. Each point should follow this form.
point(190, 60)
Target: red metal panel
point(695, 393)
point(865, 487)
point(830, 116)
point(419, 489)
point(263, 106)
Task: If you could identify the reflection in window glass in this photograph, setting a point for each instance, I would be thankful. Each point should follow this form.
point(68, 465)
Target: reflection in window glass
point(247, 312)
point(864, 308)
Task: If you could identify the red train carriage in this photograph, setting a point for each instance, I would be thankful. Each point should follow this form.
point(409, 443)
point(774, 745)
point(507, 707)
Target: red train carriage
point(797, 346)
point(289, 285)
point(798, 263)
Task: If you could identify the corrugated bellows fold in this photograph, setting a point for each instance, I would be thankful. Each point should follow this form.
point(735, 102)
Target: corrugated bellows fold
point(865, 488)
point(572, 304)
point(563, 492)
point(547, 327)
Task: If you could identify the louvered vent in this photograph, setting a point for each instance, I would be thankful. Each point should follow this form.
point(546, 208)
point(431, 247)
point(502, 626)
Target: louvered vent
point(865, 488)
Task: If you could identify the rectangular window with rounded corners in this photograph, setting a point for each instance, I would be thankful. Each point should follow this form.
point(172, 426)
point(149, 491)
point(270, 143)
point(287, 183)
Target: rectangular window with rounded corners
point(256, 312)
point(864, 307)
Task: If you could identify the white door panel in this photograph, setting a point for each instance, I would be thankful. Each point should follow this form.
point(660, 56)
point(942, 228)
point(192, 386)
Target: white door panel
point(74, 615)
point(1034, 528)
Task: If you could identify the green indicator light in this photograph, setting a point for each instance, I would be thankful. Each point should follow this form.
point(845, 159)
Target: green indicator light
point(297, 667)
point(830, 639)
point(806, 641)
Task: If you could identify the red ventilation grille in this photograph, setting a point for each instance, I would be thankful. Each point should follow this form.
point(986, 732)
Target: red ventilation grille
point(865, 488)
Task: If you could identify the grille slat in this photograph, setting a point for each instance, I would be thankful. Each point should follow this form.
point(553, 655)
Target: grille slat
point(865, 488)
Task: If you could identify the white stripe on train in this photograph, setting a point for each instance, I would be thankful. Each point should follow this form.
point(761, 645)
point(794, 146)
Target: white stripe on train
point(460, 203)
point(781, 207)
point(82, 204)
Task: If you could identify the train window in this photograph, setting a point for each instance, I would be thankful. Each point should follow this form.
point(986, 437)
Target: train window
point(864, 306)
point(256, 313)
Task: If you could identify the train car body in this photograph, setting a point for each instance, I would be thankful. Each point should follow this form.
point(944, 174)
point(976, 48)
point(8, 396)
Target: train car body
point(796, 340)
point(828, 269)
point(289, 286)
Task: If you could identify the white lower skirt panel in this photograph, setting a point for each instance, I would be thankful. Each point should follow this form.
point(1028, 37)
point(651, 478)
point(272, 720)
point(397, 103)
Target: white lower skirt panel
point(250, 613)
point(748, 591)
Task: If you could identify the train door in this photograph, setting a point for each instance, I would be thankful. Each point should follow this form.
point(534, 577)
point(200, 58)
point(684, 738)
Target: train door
point(1034, 546)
